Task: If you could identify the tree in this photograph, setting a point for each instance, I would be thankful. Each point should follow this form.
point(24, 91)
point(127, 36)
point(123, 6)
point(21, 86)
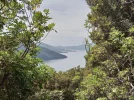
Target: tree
point(21, 28)
point(110, 60)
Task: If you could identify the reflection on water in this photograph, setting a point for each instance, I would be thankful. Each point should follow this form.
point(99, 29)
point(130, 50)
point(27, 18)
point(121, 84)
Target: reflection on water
point(74, 59)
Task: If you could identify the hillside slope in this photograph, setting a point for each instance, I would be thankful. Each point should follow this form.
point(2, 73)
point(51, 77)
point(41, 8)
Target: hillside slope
point(47, 54)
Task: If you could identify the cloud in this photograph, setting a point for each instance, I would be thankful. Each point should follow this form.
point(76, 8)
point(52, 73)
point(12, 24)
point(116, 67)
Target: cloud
point(69, 16)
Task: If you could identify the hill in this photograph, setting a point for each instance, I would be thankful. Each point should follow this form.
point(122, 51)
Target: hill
point(54, 48)
point(47, 54)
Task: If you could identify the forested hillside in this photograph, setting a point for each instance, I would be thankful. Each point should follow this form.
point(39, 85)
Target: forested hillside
point(108, 73)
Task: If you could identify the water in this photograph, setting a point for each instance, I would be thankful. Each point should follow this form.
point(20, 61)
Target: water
point(73, 59)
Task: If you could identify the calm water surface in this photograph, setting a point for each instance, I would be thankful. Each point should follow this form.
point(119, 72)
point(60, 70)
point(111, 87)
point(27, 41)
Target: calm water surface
point(73, 59)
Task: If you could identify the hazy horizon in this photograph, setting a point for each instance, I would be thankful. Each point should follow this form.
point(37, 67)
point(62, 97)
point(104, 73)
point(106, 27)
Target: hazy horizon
point(65, 45)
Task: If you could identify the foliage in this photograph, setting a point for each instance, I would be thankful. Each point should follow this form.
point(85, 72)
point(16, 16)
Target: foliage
point(65, 83)
point(111, 59)
point(47, 95)
point(21, 26)
point(109, 72)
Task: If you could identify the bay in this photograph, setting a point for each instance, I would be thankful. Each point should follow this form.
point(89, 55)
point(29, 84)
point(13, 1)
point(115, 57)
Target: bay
point(73, 59)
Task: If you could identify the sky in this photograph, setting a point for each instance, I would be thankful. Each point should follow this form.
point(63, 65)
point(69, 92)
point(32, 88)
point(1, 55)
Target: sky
point(69, 17)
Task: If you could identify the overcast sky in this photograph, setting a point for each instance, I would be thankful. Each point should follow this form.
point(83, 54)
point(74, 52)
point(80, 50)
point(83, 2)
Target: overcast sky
point(69, 17)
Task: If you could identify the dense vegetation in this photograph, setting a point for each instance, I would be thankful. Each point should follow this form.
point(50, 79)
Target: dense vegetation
point(22, 75)
point(109, 72)
point(111, 59)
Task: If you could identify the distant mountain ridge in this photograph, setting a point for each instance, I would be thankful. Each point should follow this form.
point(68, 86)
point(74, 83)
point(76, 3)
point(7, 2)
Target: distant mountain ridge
point(49, 52)
point(79, 47)
point(54, 48)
